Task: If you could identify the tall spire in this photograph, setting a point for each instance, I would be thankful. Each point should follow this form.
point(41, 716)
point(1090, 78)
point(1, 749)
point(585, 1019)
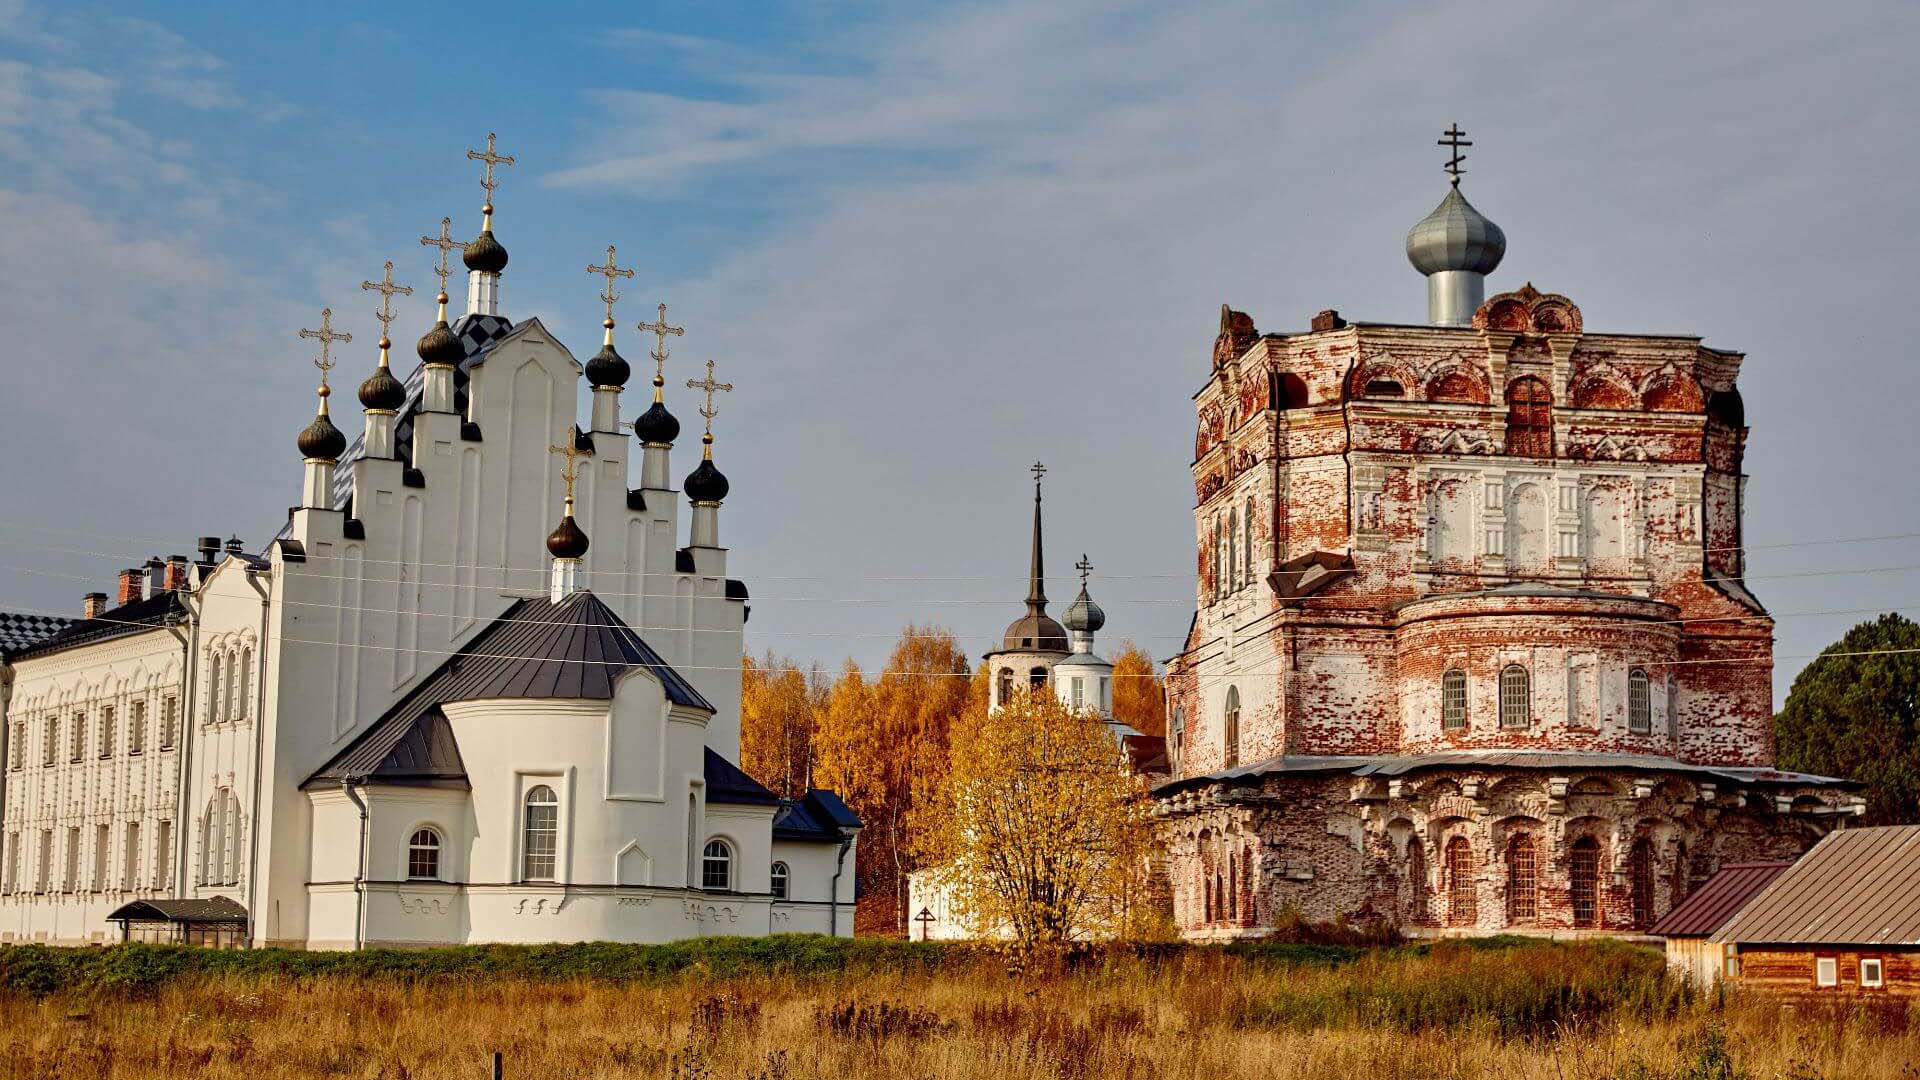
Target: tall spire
point(1036, 584)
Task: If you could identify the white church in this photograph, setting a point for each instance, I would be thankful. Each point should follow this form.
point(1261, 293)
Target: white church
point(422, 714)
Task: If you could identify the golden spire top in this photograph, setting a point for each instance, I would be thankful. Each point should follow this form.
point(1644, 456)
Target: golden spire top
point(326, 335)
point(660, 330)
point(446, 243)
point(610, 271)
point(387, 289)
point(488, 182)
point(571, 470)
point(707, 410)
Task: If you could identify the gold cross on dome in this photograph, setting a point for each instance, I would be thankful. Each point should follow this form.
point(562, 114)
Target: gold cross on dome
point(326, 335)
point(446, 243)
point(1453, 141)
point(1085, 566)
point(707, 384)
point(387, 290)
point(661, 331)
point(610, 271)
point(491, 159)
point(571, 469)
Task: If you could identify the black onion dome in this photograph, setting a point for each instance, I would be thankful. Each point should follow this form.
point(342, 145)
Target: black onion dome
point(439, 346)
point(484, 253)
point(706, 483)
point(382, 391)
point(321, 440)
point(567, 541)
point(656, 425)
point(608, 367)
point(1083, 615)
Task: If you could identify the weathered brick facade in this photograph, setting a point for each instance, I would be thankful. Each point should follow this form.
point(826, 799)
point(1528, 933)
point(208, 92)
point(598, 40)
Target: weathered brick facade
point(1471, 648)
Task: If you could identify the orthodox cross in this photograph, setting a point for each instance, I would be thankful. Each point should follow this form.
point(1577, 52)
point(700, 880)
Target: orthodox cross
point(1038, 471)
point(659, 329)
point(446, 243)
point(707, 384)
point(1454, 142)
point(571, 470)
point(1085, 567)
point(491, 159)
point(610, 271)
point(326, 335)
point(386, 288)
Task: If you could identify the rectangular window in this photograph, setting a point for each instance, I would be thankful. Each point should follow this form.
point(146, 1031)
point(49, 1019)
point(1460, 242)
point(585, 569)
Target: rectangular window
point(102, 841)
point(163, 856)
point(52, 746)
point(130, 869)
point(1826, 971)
point(44, 882)
point(79, 748)
point(1453, 700)
point(17, 746)
point(1873, 972)
point(169, 708)
point(1078, 692)
point(71, 882)
point(12, 881)
point(106, 731)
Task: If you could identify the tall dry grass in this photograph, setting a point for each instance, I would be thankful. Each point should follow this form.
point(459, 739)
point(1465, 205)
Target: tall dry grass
point(1520, 1012)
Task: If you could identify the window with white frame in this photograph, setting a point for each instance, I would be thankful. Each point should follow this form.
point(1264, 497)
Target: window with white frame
point(1639, 702)
point(1873, 972)
point(1826, 971)
point(716, 866)
point(1516, 697)
point(779, 878)
point(539, 834)
point(136, 727)
point(423, 855)
point(1453, 700)
point(1079, 691)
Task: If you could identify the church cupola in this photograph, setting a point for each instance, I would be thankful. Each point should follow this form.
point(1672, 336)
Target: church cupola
point(382, 395)
point(657, 428)
point(1036, 630)
point(320, 443)
point(440, 351)
point(484, 256)
point(1456, 247)
point(706, 486)
point(1083, 618)
point(607, 372)
point(567, 543)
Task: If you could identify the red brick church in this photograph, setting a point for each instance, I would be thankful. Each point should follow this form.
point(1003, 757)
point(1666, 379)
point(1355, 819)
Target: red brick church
point(1472, 648)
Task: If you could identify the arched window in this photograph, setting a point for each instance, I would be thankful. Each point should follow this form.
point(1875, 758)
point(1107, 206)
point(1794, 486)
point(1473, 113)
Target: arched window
point(1218, 555)
point(1230, 727)
point(209, 842)
point(1516, 697)
point(1177, 735)
point(245, 683)
point(231, 842)
point(1004, 693)
point(1523, 879)
point(779, 878)
point(1529, 418)
point(214, 689)
point(1640, 881)
point(1417, 907)
point(1583, 881)
point(1681, 876)
point(1453, 699)
point(1233, 551)
point(1246, 546)
point(1639, 702)
point(1037, 677)
point(539, 834)
point(423, 855)
point(716, 866)
point(1461, 907)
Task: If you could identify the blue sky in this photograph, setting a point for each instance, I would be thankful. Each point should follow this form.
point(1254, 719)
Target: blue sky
point(933, 243)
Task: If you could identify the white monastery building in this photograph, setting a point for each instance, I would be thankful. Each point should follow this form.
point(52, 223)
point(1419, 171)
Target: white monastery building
point(421, 714)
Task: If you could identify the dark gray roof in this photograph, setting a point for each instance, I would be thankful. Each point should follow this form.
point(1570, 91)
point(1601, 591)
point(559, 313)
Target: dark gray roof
point(19, 630)
point(727, 784)
point(213, 909)
point(147, 613)
point(1403, 764)
point(818, 815)
point(578, 648)
point(1856, 887)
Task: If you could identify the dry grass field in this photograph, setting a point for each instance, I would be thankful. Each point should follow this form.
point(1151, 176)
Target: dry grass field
point(1517, 1012)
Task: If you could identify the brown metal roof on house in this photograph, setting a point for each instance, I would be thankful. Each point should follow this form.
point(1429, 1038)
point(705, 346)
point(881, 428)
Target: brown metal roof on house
point(1856, 887)
point(1720, 899)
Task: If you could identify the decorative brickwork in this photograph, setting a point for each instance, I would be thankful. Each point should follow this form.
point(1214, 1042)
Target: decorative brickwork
point(1470, 610)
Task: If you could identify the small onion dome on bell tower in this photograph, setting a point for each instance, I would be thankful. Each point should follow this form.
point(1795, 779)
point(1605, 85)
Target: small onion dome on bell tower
point(438, 345)
point(1456, 237)
point(608, 367)
point(656, 425)
point(382, 391)
point(706, 483)
point(483, 252)
point(1083, 616)
point(567, 541)
point(320, 440)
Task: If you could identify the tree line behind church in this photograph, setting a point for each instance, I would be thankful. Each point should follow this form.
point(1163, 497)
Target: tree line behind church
point(882, 742)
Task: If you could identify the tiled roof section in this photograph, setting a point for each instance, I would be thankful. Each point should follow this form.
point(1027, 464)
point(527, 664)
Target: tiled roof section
point(727, 784)
point(1720, 899)
point(1389, 765)
point(578, 648)
point(19, 630)
point(212, 909)
point(138, 617)
point(1856, 887)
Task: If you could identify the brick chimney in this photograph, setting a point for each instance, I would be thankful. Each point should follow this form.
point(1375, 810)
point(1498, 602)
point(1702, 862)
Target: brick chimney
point(130, 582)
point(176, 576)
point(93, 605)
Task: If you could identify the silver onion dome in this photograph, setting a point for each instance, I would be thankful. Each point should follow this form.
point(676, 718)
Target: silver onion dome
point(1084, 616)
point(1455, 237)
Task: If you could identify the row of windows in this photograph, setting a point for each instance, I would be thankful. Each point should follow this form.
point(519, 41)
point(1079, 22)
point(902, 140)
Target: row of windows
point(1872, 972)
point(229, 684)
point(1516, 699)
point(1233, 551)
point(106, 731)
point(1459, 883)
point(159, 860)
point(1006, 680)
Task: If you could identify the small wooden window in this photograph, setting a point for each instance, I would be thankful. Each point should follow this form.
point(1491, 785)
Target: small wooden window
point(1826, 971)
point(1529, 418)
point(780, 877)
point(1873, 972)
point(1453, 699)
point(716, 866)
point(423, 855)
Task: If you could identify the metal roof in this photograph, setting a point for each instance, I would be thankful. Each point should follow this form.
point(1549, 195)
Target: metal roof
point(1404, 764)
point(816, 816)
point(1856, 887)
point(1720, 899)
point(19, 630)
point(159, 909)
point(726, 783)
point(578, 648)
point(138, 617)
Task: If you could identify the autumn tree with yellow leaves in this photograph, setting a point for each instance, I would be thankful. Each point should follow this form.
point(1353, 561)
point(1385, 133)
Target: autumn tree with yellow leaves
point(778, 706)
point(1038, 827)
point(1139, 698)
